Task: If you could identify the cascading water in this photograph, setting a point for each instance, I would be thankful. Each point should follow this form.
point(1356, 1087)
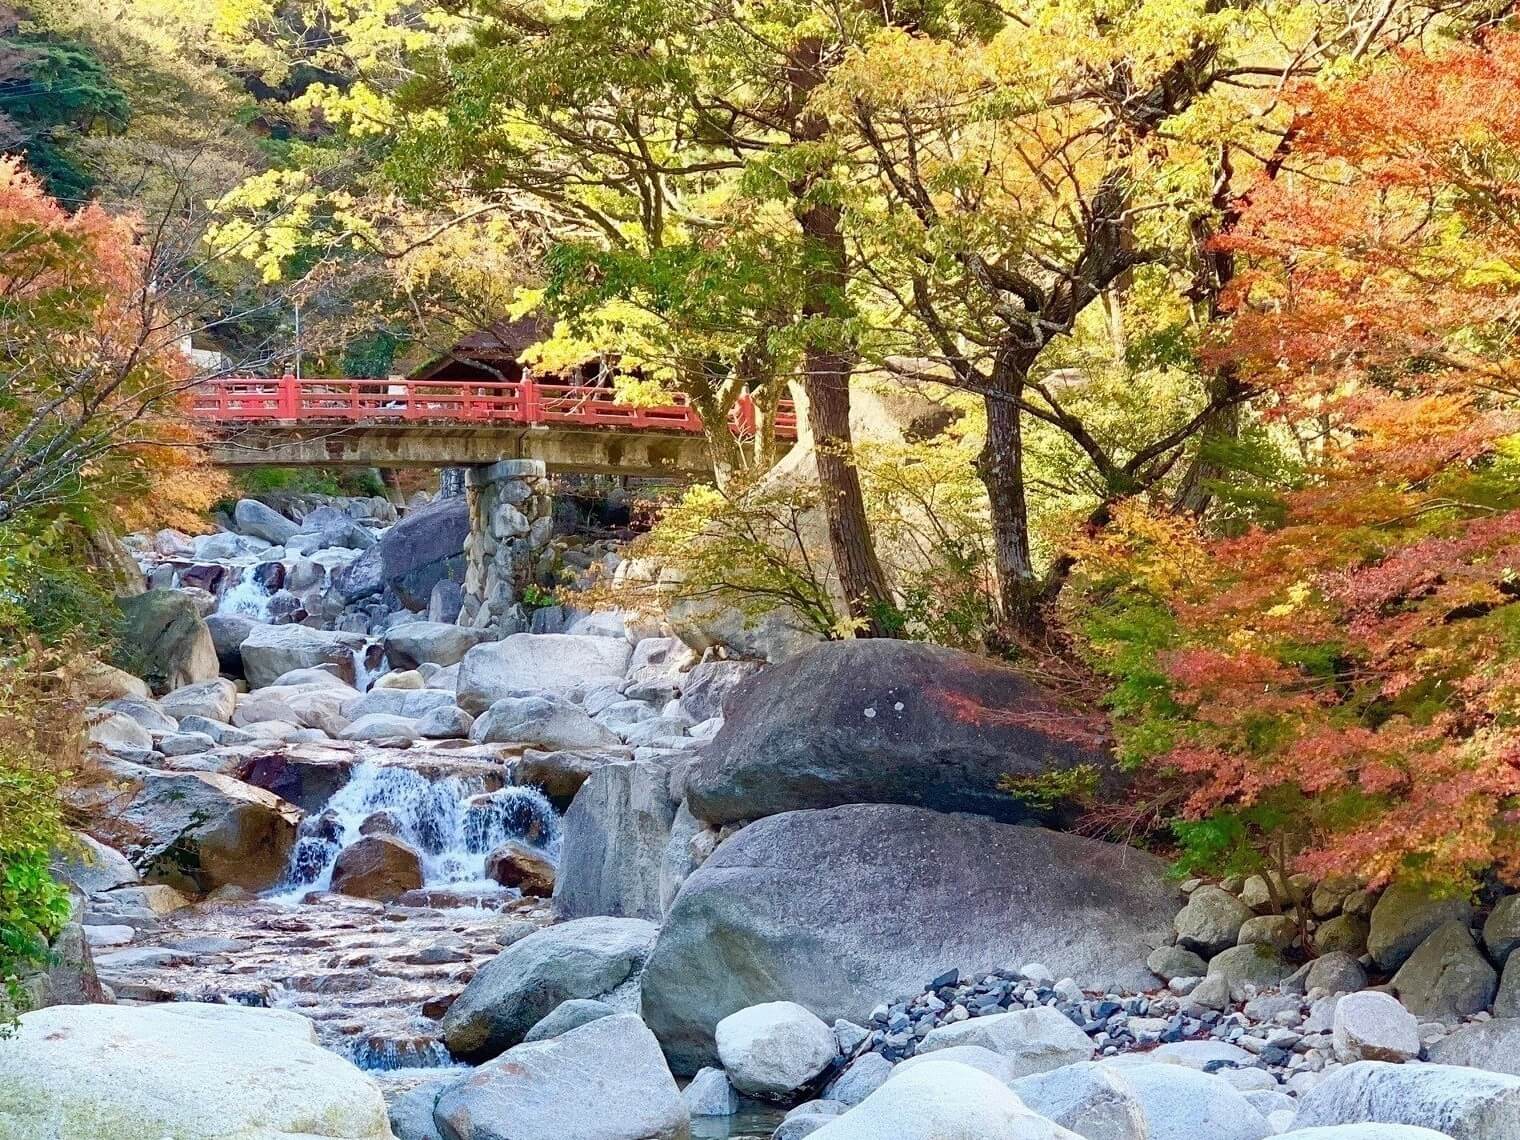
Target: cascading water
point(452, 822)
point(247, 596)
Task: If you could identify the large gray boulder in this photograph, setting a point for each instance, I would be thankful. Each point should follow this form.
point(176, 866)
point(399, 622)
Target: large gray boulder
point(881, 721)
point(510, 994)
point(560, 774)
point(837, 909)
point(1464, 1104)
point(605, 1080)
point(164, 641)
point(197, 831)
point(1373, 1026)
point(613, 843)
point(253, 517)
point(190, 1071)
point(272, 650)
point(92, 866)
point(1180, 1103)
point(214, 700)
point(943, 1100)
point(1090, 1099)
point(1211, 921)
point(555, 663)
point(228, 632)
point(424, 548)
point(1405, 915)
point(441, 643)
point(707, 687)
point(546, 721)
point(1492, 1045)
point(1447, 975)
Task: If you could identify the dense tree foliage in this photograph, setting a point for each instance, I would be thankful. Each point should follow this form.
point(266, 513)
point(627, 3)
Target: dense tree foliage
point(1217, 300)
point(1339, 682)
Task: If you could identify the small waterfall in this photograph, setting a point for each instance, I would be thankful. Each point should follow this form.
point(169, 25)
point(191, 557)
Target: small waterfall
point(247, 596)
point(383, 1055)
point(453, 822)
point(365, 673)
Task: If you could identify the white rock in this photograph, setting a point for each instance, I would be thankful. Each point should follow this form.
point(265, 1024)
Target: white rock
point(308, 706)
point(1092, 1100)
point(604, 1080)
point(1032, 1040)
point(774, 1049)
point(382, 726)
point(548, 722)
point(710, 1094)
point(98, 936)
point(118, 730)
point(213, 700)
point(181, 1070)
point(943, 1100)
point(1183, 1104)
point(1373, 1026)
point(542, 662)
point(1469, 1104)
point(977, 1056)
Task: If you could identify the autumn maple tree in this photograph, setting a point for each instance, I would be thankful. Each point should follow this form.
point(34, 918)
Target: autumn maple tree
point(1338, 685)
point(93, 385)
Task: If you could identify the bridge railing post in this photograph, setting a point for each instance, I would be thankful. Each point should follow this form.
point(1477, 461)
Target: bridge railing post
point(287, 398)
point(532, 411)
point(746, 414)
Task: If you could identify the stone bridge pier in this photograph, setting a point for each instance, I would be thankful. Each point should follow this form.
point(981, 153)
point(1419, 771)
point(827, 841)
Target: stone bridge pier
point(511, 521)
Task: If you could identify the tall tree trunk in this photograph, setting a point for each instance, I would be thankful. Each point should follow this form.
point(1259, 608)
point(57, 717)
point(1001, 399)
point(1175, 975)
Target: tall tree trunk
point(826, 380)
point(722, 447)
point(860, 574)
point(767, 404)
point(1001, 468)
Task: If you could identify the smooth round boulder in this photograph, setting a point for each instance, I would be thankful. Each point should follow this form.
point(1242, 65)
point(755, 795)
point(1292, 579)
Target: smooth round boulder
point(180, 1069)
point(569, 1015)
point(516, 864)
point(942, 1100)
point(1092, 1100)
point(772, 1051)
point(589, 958)
point(1180, 1103)
point(440, 643)
point(833, 909)
point(377, 866)
point(877, 720)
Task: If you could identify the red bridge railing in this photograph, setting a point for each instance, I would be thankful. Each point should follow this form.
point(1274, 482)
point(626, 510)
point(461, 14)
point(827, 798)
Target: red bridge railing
point(319, 400)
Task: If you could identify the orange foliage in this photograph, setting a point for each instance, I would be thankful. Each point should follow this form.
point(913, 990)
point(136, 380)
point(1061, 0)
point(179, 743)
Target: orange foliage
point(93, 407)
point(1346, 681)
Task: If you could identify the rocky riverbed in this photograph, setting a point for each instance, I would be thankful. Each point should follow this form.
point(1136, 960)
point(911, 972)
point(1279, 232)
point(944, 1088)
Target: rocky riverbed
point(350, 869)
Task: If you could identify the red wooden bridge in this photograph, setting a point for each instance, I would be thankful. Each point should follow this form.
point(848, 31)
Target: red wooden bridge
point(292, 421)
point(237, 400)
